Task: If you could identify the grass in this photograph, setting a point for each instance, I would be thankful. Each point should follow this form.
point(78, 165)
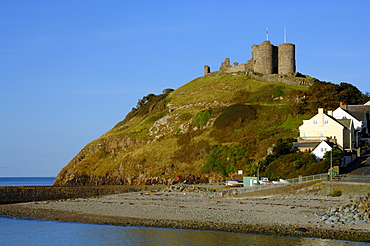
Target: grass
point(213, 88)
point(293, 122)
point(301, 88)
point(178, 153)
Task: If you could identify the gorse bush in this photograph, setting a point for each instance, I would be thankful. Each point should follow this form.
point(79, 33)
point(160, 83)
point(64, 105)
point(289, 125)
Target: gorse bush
point(202, 118)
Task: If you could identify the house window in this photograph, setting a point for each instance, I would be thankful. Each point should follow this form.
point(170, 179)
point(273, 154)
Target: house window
point(315, 122)
point(326, 122)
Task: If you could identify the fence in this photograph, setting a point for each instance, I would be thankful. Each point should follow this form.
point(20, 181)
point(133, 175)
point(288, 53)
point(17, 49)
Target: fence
point(243, 190)
point(352, 178)
point(322, 176)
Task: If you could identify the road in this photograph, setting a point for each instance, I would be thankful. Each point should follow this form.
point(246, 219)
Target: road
point(363, 169)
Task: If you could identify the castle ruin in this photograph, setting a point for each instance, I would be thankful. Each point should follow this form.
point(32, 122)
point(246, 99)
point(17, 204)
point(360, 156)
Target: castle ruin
point(273, 63)
point(266, 59)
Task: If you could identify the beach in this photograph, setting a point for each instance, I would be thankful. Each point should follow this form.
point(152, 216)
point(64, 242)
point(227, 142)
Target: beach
point(284, 215)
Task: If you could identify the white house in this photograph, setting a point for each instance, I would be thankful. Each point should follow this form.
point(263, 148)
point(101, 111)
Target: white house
point(321, 149)
point(324, 126)
point(342, 114)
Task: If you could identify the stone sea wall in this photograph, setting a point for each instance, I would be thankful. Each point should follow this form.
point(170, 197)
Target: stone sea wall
point(18, 194)
point(346, 188)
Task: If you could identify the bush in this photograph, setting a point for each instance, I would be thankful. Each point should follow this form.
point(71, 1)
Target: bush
point(167, 91)
point(336, 193)
point(224, 159)
point(290, 166)
point(202, 118)
point(283, 146)
point(334, 156)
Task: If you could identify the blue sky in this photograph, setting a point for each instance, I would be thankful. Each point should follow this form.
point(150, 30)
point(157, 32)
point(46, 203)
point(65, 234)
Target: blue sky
point(70, 70)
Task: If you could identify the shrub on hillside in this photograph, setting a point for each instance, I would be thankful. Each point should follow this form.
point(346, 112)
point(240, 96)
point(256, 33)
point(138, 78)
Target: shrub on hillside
point(202, 118)
point(224, 159)
point(235, 115)
point(292, 165)
point(283, 146)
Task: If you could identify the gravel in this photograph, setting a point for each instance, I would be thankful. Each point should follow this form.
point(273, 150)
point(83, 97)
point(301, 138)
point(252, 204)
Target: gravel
point(289, 215)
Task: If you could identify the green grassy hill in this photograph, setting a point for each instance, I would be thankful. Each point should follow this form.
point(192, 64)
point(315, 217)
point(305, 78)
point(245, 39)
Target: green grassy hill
point(203, 131)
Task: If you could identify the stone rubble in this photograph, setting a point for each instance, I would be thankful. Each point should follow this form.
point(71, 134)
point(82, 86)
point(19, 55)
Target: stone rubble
point(356, 212)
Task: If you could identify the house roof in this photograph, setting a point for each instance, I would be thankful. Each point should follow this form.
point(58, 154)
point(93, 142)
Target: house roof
point(330, 144)
point(351, 113)
point(305, 145)
point(360, 115)
point(345, 122)
point(365, 107)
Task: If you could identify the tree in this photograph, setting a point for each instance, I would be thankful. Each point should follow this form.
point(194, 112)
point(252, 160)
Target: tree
point(224, 159)
point(334, 157)
point(349, 93)
point(144, 100)
point(323, 95)
point(365, 98)
point(282, 147)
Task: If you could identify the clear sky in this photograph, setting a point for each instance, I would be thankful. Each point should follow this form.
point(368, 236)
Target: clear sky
point(70, 70)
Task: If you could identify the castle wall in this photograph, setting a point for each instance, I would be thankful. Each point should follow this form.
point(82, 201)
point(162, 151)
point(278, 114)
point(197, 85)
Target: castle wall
point(227, 68)
point(286, 79)
point(286, 58)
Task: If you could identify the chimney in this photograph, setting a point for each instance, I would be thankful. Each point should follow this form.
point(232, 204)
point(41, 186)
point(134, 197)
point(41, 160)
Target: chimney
point(343, 105)
point(330, 113)
point(320, 111)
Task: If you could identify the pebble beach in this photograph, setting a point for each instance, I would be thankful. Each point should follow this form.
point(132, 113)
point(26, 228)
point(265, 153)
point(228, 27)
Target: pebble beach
point(285, 215)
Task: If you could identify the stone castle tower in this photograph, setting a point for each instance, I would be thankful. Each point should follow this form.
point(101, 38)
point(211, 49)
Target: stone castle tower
point(270, 59)
point(266, 59)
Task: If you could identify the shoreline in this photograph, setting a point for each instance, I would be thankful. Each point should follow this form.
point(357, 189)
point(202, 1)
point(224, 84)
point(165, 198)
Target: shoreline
point(254, 229)
point(280, 215)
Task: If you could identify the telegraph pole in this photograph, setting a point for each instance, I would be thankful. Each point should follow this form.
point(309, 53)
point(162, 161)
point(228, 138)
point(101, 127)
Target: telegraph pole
point(331, 165)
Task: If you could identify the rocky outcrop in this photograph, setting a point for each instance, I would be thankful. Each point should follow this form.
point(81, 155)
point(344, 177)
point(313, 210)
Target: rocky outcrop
point(122, 143)
point(356, 212)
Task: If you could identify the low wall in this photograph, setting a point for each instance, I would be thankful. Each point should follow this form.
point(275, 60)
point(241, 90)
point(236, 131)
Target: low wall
point(347, 188)
point(18, 194)
point(279, 190)
point(326, 188)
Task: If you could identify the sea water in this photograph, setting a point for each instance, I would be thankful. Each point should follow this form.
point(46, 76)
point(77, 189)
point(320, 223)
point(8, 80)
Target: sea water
point(27, 181)
point(39, 232)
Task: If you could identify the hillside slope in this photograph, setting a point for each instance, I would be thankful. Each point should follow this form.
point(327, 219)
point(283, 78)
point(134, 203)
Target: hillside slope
point(203, 131)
